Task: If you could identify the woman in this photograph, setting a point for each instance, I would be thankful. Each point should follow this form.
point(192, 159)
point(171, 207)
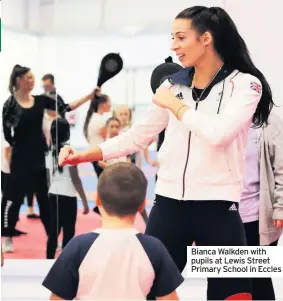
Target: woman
point(202, 157)
point(261, 205)
point(94, 126)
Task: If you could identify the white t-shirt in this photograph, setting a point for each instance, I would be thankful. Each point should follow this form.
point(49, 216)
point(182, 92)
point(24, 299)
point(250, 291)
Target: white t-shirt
point(61, 183)
point(5, 167)
point(96, 122)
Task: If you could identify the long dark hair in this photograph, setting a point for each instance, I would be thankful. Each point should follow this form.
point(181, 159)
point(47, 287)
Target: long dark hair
point(60, 134)
point(93, 108)
point(18, 71)
point(231, 48)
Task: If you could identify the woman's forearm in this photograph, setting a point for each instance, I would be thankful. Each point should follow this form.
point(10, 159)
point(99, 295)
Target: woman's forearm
point(90, 155)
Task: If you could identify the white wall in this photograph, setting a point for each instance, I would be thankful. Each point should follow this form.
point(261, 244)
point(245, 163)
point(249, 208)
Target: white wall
point(75, 63)
point(258, 23)
point(17, 48)
point(21, 15)
point(100, 17)
point(75, 60)
point(13, 13)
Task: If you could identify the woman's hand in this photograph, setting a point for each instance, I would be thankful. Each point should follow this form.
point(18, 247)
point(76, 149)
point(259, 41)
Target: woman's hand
point(165, 98)
point(96, 91)
point(68, 155)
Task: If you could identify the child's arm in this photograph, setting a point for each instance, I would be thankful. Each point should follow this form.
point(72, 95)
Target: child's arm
point(103, 164)
point(147, 158)
point(79, 187)
point(139, 159)
point(62, 279)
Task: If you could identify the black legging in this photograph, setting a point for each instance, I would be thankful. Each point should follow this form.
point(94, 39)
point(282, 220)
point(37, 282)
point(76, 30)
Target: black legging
point(63, 215)
point(19, 185)
point(98, 170)
point(262, 288)
point(30, 199)
point(177, 224)
point(4, 181)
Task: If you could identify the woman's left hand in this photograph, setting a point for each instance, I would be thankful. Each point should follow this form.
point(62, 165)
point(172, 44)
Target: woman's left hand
point(278, 223)
point(96, 91)
point(165, 98)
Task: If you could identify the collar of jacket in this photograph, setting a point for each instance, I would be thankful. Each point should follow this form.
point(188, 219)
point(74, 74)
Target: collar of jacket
point(184, 77)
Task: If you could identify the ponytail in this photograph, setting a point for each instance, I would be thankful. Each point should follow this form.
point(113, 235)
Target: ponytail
point(232, 49)
point(93, 108)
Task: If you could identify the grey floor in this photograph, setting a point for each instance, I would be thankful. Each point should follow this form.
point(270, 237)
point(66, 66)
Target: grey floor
point(21, 280)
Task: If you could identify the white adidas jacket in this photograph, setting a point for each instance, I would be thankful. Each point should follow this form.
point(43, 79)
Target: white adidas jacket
point(203, 155)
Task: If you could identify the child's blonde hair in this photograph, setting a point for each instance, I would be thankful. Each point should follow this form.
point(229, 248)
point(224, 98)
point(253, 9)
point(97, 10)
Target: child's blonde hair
point(123, 107)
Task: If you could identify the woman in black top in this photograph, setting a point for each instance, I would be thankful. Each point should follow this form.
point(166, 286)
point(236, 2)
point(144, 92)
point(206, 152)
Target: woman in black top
point(22, 125)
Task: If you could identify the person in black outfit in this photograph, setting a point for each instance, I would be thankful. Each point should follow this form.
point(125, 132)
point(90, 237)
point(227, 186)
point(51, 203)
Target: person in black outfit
point(22, 119)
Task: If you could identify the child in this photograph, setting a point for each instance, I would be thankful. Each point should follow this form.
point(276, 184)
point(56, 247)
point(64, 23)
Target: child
point(65, 183)
point(124, 114)
point(113, 127)
point(116, 262)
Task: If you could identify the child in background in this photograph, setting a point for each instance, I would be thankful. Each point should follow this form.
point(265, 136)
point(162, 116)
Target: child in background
point(65, 184)
point(116, 262)
point(113, 127)
point(124, 114)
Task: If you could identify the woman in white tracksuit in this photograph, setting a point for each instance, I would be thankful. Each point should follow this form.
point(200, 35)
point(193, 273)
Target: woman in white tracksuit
point(207, 110)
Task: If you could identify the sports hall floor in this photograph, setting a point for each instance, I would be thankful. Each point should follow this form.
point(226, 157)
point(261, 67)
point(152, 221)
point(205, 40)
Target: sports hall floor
point(33, 245)
point(21, 279)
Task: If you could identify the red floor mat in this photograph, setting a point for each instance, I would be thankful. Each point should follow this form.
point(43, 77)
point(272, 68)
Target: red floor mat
point(33, 245)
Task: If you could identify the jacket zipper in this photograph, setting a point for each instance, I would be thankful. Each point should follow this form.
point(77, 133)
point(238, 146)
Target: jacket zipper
point(188, 153)
point(189, 141)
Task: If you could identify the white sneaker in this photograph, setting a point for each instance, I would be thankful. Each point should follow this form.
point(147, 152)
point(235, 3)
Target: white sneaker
point(8, 245)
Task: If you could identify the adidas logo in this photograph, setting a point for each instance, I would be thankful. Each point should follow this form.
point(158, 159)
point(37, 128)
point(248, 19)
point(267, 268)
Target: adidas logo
point(180, 96)
point(233, 208)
